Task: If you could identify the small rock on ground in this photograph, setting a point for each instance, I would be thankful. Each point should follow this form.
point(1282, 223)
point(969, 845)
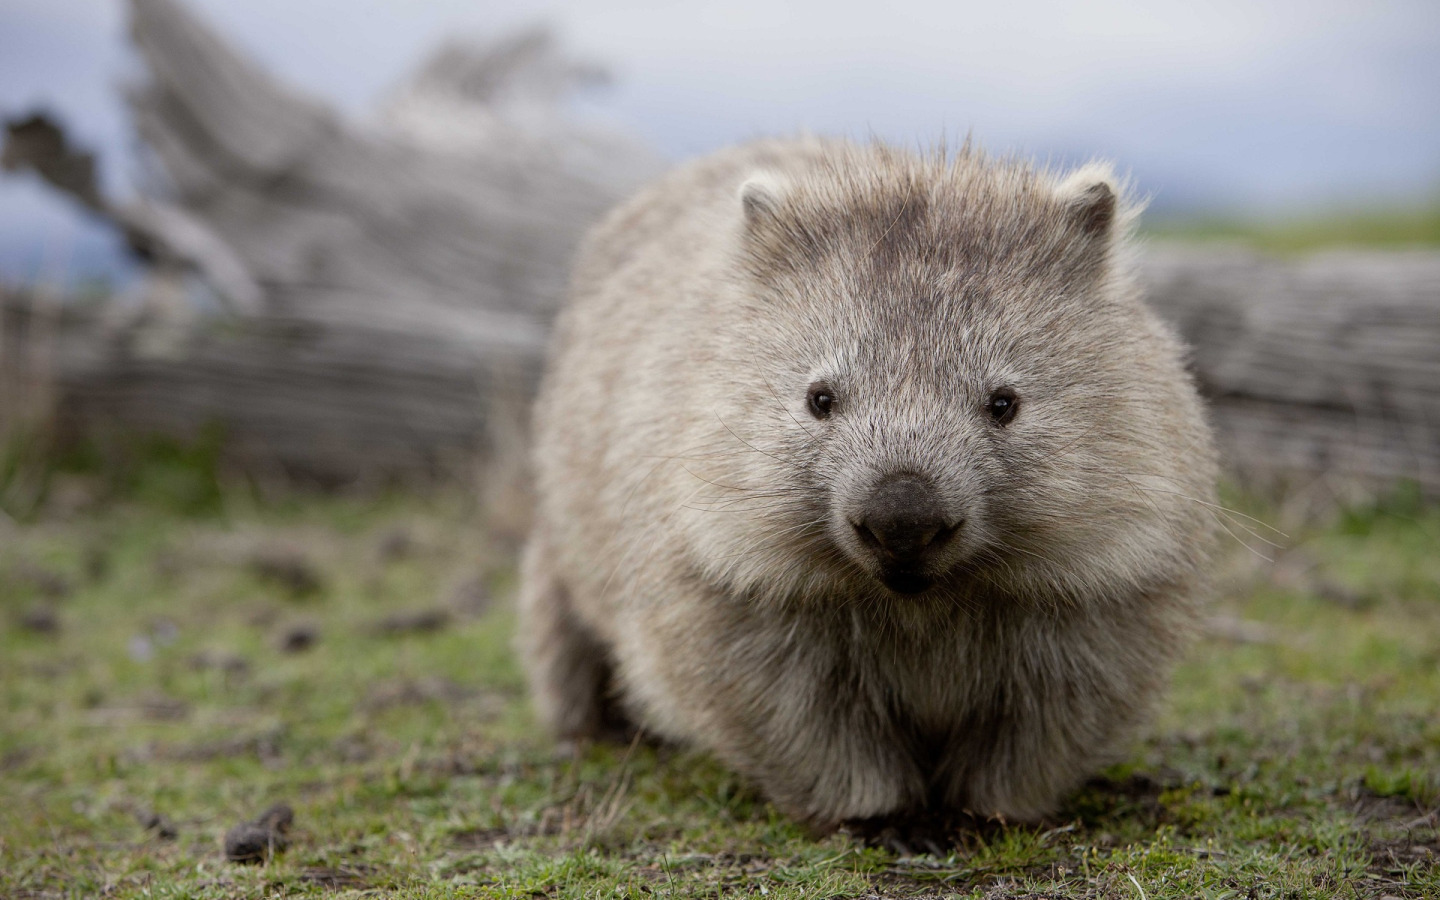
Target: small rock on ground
point(394, 545)
point(288, 568)
point(418, 621)
point(161, 825)
point(256, 840)
point(41, 620)
point(298, 638)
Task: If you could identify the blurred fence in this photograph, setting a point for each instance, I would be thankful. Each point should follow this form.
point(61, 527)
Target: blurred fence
point(389, 286)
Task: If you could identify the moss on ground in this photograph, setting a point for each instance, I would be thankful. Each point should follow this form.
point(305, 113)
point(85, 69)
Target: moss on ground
point(179, 672)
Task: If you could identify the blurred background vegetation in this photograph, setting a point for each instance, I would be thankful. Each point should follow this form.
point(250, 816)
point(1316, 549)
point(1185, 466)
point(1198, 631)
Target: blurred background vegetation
point(1395, 228)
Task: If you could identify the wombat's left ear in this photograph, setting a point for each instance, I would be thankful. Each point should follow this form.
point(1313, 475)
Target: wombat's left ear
point(1092, 199)
point(761, 196)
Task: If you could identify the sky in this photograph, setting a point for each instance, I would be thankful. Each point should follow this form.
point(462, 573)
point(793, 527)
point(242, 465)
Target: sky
point(1266, 108)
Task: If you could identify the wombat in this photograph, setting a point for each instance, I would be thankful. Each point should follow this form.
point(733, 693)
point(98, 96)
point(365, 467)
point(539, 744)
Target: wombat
point(870, 472)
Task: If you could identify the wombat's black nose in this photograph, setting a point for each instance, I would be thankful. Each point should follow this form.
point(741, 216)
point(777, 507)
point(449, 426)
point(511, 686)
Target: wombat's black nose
point(902, 520)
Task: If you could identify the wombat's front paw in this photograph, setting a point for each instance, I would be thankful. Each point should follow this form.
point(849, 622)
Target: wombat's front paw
point(915, 833)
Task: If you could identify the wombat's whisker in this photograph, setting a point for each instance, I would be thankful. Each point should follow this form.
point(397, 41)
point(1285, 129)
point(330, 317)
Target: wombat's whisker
point(768, 545)
point(1232, 513)
point(743, 495)
point(1233, 517)
point(693, 474)
point(813, 436)
point(639, 483)
point(778, 459)
point(1221, 522)
point(1238, 519)
point(776, 508)
point(904, 205)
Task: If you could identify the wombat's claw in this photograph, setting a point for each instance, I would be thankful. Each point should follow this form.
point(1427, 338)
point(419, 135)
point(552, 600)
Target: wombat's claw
point(885, 832)
point(898, 847)
point(913, 834)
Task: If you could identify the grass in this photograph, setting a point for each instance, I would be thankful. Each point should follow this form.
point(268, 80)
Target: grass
point(1381, 229)
point(153, 662)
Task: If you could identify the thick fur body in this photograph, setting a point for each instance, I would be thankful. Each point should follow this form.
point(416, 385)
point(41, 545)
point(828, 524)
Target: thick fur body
point(695, 560)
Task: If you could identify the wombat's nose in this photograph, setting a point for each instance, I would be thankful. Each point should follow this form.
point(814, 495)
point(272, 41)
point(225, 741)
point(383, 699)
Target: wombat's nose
point(902, 519)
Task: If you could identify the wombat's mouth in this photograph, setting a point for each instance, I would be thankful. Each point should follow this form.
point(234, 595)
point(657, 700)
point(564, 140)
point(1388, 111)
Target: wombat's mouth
point(906, 582)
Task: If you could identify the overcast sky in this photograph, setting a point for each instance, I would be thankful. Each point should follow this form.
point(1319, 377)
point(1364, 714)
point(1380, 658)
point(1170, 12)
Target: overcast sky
point(1254, 108)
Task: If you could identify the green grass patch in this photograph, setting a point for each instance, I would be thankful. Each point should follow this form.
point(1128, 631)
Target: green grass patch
point(1419, 227)
point(186, 664)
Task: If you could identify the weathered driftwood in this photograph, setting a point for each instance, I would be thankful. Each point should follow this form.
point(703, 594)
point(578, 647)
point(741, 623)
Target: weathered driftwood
point(342, 223)
point(1327, 365)
point(391, 284)
point(382, 277)
point(166, 235)
point(330, 405)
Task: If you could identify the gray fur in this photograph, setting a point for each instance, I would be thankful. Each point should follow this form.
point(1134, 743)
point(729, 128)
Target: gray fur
point(692, 556)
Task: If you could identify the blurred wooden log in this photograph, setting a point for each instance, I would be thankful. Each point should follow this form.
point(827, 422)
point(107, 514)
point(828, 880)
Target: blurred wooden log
point(327, 405)
point(385, 277)
point(1319, 366)
point(345, 224)
point(162, 233)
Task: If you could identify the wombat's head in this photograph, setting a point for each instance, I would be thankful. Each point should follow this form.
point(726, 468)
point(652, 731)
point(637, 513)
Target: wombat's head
point(945, 383)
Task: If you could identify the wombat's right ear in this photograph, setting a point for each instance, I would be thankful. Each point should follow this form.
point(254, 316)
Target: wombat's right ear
point(761, 196)
point(1092, 196)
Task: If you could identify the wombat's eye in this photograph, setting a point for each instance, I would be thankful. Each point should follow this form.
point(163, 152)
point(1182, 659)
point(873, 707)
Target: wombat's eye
point(821, 400)
point(1002, 406)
